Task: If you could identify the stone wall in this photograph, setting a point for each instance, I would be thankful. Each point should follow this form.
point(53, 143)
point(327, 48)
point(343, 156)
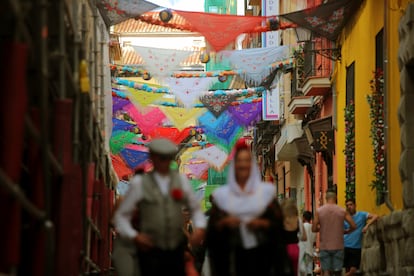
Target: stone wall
point(388, 246)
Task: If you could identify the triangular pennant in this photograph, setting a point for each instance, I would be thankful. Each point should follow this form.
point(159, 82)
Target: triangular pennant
point(213, 155)
point(188, 90)
point(133, 157)
point(116, 11)
point(216, 104)
point(118, 103)
point(222, 130)
point(121, 125)
point(255, 64)
point(146, 122)
point(327, 19)
point(142, 98)
point(219, 29)
point(161, 63)
point(121, 169)
point(247, 113)
point(182, 117)
point(172, 133)
point(119, 139)
point(197, 169)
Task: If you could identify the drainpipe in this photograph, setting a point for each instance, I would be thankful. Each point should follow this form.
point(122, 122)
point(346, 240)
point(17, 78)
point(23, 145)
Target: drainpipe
point(387, 199)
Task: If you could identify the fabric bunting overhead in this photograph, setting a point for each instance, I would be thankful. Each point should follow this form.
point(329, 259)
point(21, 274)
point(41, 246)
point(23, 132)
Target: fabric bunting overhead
point(118, 124)
point(118, 103)
point(120, 139)
point(216, 104)
point(188, 90)
point(141, 99)
point(214, 156)
point(247, 113)
point(147, 122)
point(121, 169)
point(182, 117)
point(196, 168)
point(134, 158)
point(222, 130)
point(172, 133)
point(221, 30)
point(161, 62)
point(255, 63)
point(116, 11)
point(328, 19)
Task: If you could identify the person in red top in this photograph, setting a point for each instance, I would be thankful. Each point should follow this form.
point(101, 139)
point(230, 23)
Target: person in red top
point(329, 220)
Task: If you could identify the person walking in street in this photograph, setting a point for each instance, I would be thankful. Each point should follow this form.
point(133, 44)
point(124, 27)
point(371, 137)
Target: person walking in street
point(306, 247)
point(293, 231)
point(329, 220)
point(353, 241)
point(159, 197)
point(245, 228)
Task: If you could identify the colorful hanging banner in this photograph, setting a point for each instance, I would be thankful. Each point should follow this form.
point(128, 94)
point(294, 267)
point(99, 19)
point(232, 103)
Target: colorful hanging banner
point(326, 20)
point(196, 168)
point(161, 62)
point(134, 158)
point(220, 30)
point(222, 131)
point(214, 156)
point(182, 117)
point(217, 104)
point(146, 122)
point(188, 90)
point(247, 113)
point(117, 11)
point(141, 98)
point(172, 133)
point(121, 169)
point(256, 63)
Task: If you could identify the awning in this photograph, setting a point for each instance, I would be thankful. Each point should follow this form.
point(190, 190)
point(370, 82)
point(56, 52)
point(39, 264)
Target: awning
point(320, 134)
point(328, 19)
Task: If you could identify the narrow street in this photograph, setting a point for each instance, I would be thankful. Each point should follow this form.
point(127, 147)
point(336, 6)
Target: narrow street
point(319, 92)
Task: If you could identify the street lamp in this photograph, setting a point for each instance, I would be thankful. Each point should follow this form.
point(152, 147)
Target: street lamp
point(302, 34)
point(305, 35)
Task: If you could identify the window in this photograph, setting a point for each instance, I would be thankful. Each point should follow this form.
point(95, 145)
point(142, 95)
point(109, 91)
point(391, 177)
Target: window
point(350, 83)
point(379, 50)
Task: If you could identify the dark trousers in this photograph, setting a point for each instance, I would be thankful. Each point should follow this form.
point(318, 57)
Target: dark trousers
point(158, 262)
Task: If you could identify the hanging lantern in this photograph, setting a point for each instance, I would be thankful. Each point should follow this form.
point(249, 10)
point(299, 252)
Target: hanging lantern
point(204, 57)
point(273, 24)
point(146, 76)
point(165, 15)
point(222, 78)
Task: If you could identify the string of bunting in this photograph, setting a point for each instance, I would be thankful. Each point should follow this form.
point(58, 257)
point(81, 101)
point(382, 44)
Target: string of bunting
point(152, 18)
point(150, 89)
point(130, 70)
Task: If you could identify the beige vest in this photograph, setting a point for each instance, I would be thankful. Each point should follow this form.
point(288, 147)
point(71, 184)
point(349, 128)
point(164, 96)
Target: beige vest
point(161, 216)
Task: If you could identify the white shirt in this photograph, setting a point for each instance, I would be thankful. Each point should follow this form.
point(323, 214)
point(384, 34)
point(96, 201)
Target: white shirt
point(123, 215)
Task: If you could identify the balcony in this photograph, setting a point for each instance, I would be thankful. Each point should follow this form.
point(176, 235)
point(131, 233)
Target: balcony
point(316, 86)
point(312, 77)
point(286, 149)
point(300, 104)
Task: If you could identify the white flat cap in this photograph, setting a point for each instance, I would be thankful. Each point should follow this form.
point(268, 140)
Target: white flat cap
point(162, 146)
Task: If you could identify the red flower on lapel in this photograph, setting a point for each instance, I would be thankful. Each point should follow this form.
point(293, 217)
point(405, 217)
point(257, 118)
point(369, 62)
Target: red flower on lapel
point(177, 194)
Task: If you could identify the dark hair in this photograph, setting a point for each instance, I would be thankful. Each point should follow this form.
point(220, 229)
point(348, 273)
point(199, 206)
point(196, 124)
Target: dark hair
point(350, 199)
point(307, 215)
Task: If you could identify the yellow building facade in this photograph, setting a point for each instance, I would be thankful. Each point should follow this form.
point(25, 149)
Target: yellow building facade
point(359, 48)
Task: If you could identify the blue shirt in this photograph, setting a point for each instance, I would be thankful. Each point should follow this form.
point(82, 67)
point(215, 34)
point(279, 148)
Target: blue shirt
point(354, 239)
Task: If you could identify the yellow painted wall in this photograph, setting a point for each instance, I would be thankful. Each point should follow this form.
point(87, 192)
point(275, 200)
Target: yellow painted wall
point(358, 45)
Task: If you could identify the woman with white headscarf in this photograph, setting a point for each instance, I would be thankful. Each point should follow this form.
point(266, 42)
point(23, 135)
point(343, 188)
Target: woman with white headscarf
point(244, 235)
